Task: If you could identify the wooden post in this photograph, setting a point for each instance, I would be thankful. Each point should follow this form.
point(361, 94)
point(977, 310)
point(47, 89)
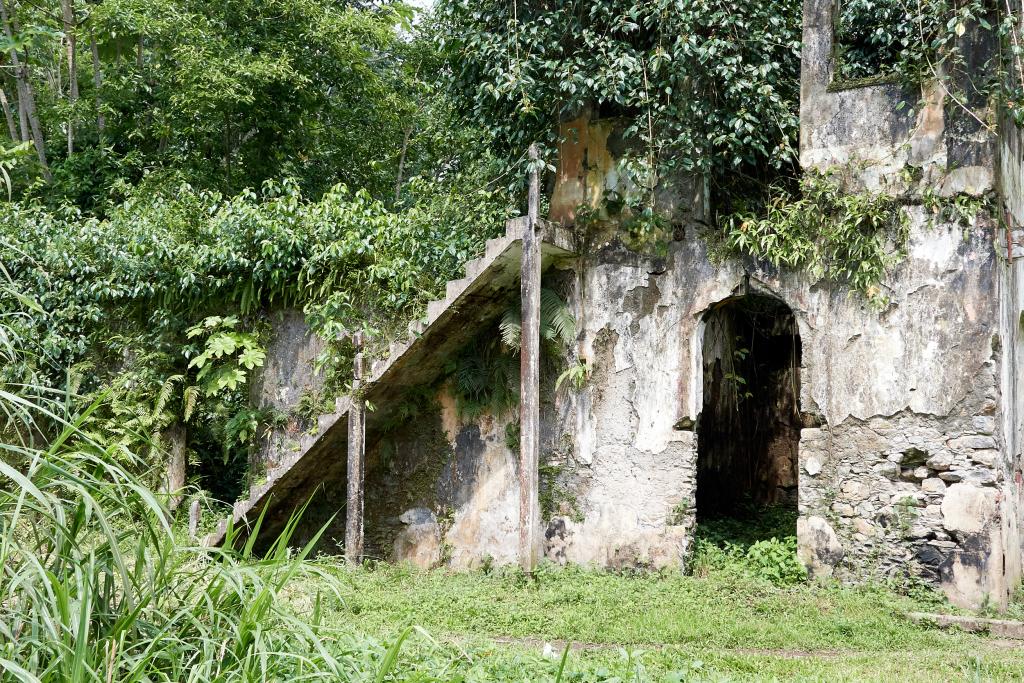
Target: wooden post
point(174, 440)
point(529, 392)
point(194, 511)
point(356, 460)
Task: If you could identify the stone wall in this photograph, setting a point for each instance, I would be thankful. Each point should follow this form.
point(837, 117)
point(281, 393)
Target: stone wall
point(913, 423)
point(878, 132)
point(1010, 183)
point(905, 473)
point(907, 397)
point(288, 375)
point(442, 489)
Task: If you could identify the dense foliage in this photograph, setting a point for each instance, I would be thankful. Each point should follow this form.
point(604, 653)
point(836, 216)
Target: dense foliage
point(827, 232)
point(176, 162)
point(114, 299)
point(221, 95)
point(707, 86)
point(907, 40)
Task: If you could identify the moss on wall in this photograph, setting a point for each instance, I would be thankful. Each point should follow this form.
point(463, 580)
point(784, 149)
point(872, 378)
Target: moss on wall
point(404, 467)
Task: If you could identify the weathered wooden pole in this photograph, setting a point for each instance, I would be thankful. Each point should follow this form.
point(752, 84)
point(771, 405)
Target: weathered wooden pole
point(194, 512)
point(356, 460)
point(529, 391)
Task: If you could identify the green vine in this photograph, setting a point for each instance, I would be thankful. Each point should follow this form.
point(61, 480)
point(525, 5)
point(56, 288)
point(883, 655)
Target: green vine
point(832, 235)
point(927, 40)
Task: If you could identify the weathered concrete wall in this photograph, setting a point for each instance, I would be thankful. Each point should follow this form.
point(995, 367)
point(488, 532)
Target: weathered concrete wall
point(920, 470)
point(443, 490)
point(877, 133)
point(288, 374)
point(591, 175)
point(906, 473)
point(913, 465)
point(1010, 182)
point(908, 398)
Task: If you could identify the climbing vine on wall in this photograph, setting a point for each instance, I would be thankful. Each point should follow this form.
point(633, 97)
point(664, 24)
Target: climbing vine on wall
point(920, 41)
point(831, 234)
point(708, 85)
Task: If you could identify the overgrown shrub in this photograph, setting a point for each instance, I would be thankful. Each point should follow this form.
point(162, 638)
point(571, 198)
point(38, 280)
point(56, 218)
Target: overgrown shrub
point(113, 299)
point(827, 232)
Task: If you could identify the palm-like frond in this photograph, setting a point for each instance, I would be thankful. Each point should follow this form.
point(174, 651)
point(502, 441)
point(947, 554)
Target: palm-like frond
point(190, 398)
point(164, 396)
point(511, 327)
point(557, 323)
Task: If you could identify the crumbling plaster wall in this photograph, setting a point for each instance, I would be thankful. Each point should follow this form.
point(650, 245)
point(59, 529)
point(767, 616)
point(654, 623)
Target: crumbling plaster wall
point(443, 490)
point(920, 471)
point(878, 132)
point(1010, 181)
point(918, 377)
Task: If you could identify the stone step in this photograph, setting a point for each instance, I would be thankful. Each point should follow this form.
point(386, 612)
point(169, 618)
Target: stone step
point(1000, 628)
point(456, 287)
point(475, 267)
point(495, 247)
point(416, 328)
point(434, 309)
point(396, 349)
point(514, 227)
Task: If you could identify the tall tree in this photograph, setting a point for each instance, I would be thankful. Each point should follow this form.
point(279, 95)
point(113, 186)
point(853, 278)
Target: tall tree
point(70, 27)
point(26, 96)
point(97, 82)
point(8, 116)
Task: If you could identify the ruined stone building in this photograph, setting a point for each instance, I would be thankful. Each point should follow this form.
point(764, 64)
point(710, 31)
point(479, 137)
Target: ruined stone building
point(896, 431)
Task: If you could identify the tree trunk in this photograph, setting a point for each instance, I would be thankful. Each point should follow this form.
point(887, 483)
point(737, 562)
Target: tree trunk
point(175, 442)
point(8, 116)
point(36, 128)
point(20, 109)
point(68, 16)
point(97, 82)
point(401, 164)
point(22, 118)
point(25, 93)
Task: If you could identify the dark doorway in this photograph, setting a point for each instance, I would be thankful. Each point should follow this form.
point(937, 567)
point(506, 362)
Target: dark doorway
point(749, 428)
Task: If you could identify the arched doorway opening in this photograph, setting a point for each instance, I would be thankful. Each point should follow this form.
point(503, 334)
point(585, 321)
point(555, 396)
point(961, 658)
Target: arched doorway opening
point(749, 428)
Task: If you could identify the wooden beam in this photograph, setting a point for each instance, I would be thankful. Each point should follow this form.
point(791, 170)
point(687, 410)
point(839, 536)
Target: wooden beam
point(356, 460)
point(529, 391)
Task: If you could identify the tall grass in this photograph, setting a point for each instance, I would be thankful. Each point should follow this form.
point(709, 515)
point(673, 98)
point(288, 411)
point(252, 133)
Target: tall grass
point(93, 585)
point(94, 588)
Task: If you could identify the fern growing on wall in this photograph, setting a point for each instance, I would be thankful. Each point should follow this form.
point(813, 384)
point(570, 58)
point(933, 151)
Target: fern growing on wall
point(557, 323)
point(485, 376)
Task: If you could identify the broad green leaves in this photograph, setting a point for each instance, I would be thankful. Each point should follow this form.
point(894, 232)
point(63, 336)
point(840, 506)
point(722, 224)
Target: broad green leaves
point(227, 355)
point(221, 95)
point(710, 85)
point(850, 238)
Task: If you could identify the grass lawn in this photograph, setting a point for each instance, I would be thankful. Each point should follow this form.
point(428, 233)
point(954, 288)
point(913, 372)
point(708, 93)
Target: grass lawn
point(659, 627)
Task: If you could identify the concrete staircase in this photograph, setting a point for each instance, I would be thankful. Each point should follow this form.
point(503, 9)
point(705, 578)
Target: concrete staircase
point(418, 359)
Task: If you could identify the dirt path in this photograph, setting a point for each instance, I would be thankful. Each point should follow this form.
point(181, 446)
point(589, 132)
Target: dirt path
point(577, 646)
point(780, 653)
